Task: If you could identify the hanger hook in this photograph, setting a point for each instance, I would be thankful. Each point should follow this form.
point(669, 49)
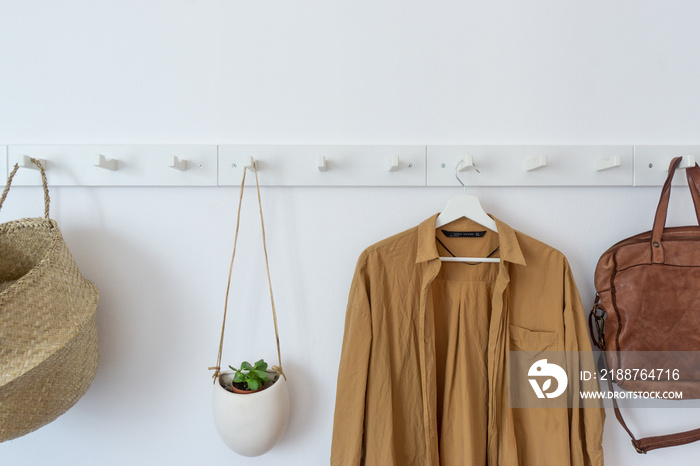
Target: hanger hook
point(457, 174)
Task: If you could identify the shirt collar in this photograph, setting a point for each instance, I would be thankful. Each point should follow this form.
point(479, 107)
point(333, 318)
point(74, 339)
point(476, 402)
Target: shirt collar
point(508, 242)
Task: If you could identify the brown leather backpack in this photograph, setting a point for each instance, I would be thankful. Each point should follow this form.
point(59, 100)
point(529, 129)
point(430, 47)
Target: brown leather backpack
point(648, 300)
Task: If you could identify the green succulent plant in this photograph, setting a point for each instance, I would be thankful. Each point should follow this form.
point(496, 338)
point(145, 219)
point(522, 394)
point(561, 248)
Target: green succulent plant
point(254, 376)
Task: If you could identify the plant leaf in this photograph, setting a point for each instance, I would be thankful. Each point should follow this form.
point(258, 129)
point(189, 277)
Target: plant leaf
point(261, 364)
point(239, 377)
point(253, 384)
point(232, 368)
point(245, 365)
point(264, 376)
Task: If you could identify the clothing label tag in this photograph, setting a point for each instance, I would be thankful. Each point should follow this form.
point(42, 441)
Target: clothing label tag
point(464, 234)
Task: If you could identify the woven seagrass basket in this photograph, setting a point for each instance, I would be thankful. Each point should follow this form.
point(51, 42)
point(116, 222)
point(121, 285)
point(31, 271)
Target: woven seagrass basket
point(48, 328)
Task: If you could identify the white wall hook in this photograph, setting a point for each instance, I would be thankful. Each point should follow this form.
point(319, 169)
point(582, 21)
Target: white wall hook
point(321, 163)
point(465, 163)
point(103, 162)
point(394, 163)
point(533, 163)
point(25, 161)
point(178, 164)
point(686, 162)
point(250, 163)
point(606, 163)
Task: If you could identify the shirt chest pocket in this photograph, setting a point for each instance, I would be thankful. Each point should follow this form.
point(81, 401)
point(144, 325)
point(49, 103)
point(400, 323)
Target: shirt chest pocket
point(532, 341)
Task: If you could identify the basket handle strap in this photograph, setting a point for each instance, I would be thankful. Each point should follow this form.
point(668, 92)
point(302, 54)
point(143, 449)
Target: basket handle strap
point(217, 368)
point(44, 182)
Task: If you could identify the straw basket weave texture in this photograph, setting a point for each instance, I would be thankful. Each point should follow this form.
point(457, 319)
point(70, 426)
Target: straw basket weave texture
point(48, 328)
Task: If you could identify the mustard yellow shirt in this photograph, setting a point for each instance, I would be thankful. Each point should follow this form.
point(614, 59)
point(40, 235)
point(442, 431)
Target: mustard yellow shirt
point(422, 377)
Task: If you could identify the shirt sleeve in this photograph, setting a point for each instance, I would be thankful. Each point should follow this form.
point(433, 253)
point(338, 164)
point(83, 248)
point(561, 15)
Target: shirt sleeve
point(587, 418)
point(348, 422)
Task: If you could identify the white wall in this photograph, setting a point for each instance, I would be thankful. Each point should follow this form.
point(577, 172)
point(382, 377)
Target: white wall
point(312, 72)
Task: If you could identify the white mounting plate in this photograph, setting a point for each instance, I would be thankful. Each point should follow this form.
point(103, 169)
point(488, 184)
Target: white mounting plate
point(137, 165)
point(506, 166)
point(659, 158)
point(345, 165)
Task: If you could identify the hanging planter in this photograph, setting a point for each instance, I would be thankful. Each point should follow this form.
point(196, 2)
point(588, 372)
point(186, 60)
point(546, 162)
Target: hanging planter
point(250, 404)
point(251, 423)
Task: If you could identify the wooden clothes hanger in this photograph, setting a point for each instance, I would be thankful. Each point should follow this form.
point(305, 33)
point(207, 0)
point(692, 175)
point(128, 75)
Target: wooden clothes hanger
point(469, 207)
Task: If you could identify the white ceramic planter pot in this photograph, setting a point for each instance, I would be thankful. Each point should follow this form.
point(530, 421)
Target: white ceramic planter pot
point(253, 423)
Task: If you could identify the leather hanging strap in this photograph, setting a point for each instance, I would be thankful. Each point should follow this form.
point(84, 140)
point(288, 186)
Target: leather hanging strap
point(646, 444)
point(217, 368)
point(693, 176)
point(44, 183)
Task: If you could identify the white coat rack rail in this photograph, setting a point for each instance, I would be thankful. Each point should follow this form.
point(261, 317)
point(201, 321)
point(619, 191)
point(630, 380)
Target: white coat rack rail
point(347, 165)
